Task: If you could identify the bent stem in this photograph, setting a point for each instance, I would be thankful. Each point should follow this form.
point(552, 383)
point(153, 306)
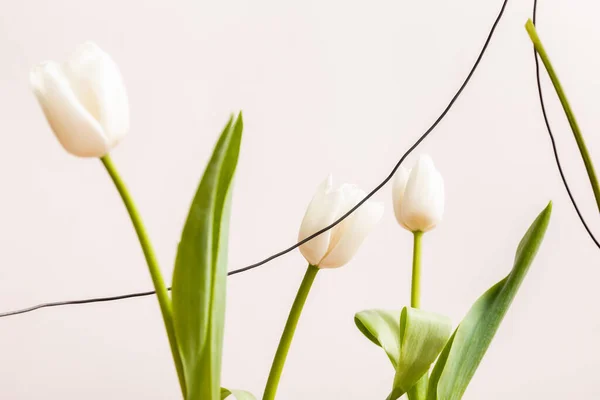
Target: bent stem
point(159, 285)
point(585, 155)
point(288, 333)
point(419, 390)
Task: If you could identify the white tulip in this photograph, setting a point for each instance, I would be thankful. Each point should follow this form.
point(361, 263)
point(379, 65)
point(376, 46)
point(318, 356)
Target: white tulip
point(337, 246)
point(418, 196)
point(84, 100)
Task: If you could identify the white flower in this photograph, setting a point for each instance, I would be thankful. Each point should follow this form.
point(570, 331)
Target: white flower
point(337, 246)
point(418, 196)
point(84, 100)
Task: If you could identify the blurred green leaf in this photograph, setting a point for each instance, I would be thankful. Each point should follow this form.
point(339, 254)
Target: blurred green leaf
point(412, 340)
point(199, 278)
point(237, 394)
point(465, 350)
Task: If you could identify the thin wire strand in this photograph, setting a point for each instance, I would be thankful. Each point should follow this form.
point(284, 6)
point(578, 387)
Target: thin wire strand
point(75, 302)
point(554, 148)
point(314, 235)
point(391, 174)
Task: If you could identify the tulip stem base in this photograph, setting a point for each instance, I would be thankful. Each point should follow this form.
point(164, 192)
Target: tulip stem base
point(159, 284)
point(288, 333)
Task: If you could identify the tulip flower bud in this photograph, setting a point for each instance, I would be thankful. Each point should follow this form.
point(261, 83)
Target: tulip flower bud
point(418, 196)
point(337, 246)
point(84, 100)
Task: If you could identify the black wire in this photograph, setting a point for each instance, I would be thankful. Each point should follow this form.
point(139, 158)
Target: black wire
point(391, 175)
point(295, 246)
point(74, 302)
point(555, 150)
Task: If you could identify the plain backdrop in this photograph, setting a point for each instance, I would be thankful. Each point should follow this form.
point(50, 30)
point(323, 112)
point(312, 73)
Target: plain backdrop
point(325, 86)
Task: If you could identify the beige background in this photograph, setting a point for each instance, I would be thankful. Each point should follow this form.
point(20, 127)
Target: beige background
point(335, 86)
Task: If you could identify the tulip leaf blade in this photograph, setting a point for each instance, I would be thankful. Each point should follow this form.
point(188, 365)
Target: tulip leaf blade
point(467, 346)
point(199, 277)
point(237, 394)
point(422, 337)
point(412, 339)
point(381, 327)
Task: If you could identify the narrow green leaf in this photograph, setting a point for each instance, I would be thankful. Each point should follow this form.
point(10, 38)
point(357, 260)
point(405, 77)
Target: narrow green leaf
point(237, 394)
point(199, 278)
point(412, 340)
point(465, 350)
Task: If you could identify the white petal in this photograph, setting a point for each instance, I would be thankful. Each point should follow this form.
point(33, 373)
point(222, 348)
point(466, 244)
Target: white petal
point(76, 129)
point(321, 212)
point(423, 203)
point(398, 189)
point(98, 84)
point(350, 196)
point(363, 221)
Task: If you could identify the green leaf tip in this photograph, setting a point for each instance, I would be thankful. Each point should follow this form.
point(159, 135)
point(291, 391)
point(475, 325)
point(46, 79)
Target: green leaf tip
point(237, 394)
point(239, 120)
point(547, 212)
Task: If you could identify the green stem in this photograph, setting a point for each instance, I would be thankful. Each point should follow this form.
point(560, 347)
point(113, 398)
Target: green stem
point(288, 333)
point(419, 390)
point(587, 160)
point(159, 285)
point(415, 290)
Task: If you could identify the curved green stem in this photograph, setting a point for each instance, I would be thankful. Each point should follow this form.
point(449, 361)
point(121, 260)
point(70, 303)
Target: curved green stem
point(159, 285)
point(288, 333)
point(585, 155)
point(419, 390)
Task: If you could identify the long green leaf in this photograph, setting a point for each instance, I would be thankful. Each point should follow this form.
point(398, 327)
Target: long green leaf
point(465, 350)
point(412, 340)
point(199, 278)
point(237, 394)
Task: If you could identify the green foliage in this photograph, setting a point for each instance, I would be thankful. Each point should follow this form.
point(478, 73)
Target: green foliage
point(412, 340)
point(199, 278)
point(465, 350)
